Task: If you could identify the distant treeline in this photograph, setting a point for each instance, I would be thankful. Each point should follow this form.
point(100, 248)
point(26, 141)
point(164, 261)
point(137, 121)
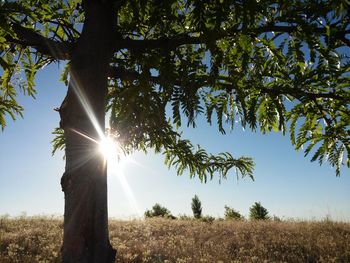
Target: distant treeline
point(256, 212)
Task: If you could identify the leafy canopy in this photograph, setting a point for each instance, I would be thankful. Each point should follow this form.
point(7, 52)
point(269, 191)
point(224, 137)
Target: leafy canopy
point(265, 65)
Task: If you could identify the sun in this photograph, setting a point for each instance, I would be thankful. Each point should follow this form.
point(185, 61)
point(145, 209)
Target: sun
point(113, 155)
point(108, 148)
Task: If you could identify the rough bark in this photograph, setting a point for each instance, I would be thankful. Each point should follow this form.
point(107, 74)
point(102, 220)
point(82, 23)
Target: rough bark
point(82, 117)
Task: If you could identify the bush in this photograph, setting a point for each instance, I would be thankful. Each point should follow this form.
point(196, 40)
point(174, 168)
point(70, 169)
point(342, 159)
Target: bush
point(231, 213)
point(196, 207)
point(258, 212)
point(276, 218)
point(207, 219)
point(158, 211)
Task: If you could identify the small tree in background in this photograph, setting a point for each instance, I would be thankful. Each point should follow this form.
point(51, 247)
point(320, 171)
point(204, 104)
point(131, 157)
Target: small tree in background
point(231, 213)
point(196, 207)
point(158, 211)
point(258, 212)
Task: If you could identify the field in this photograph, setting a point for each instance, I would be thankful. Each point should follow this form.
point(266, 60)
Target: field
point(38, 239)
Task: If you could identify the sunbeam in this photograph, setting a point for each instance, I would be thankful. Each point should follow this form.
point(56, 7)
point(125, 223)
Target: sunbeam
point(109, 147)
point(86, 106)
point(116, 162)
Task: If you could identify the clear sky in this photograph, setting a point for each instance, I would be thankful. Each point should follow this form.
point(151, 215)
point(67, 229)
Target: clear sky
point(286, 183)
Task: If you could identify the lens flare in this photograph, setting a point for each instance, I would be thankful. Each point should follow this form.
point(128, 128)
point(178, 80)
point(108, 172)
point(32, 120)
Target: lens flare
point(116, 161)
point(108, 146)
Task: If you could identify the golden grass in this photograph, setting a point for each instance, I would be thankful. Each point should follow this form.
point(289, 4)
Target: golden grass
point(162, 240)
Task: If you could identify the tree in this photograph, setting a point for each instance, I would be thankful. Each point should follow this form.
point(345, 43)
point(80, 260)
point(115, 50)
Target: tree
point(267, 65)
point(158, 211)
point(231, 213)
point(196, 206)
point(258, 212)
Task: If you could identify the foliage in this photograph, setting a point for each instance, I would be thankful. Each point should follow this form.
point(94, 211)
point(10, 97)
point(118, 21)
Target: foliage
point(258, 212)
point(158, 211)
point(58, 142)
point(276, 218)
point(231, 213)
point(196, 206)
point(207, 219)
point(159, 240)
point(266, 65)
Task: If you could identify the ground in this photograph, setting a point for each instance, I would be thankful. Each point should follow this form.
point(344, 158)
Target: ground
point(38, 239)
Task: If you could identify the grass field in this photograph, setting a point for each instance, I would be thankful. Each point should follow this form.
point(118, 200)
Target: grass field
point(38, 239)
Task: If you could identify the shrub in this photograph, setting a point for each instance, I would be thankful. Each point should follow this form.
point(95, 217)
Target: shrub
point(276, 218)
point(231, 213)
point(158, 211)
point(207, 219)
point(196, 207)
point(258, 212)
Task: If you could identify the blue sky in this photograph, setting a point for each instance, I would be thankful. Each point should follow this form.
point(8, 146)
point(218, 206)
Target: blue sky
point(286, 183)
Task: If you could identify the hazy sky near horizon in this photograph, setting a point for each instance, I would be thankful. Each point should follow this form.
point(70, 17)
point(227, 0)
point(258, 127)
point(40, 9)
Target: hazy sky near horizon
point(286, 182)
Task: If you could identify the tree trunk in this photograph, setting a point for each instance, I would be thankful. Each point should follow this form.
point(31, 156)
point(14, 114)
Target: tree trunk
point(84, 182)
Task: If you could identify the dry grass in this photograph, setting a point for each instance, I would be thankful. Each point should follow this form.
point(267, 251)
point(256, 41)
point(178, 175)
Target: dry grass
point(27, 240)
point(159, 240)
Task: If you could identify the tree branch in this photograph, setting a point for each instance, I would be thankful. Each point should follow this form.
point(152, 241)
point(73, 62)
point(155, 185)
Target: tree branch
point(300, 94)
point(345, 40)
point(29, 38)
point(168, 43)
point(124, 74)
point(121, 73)
point(171, 43)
